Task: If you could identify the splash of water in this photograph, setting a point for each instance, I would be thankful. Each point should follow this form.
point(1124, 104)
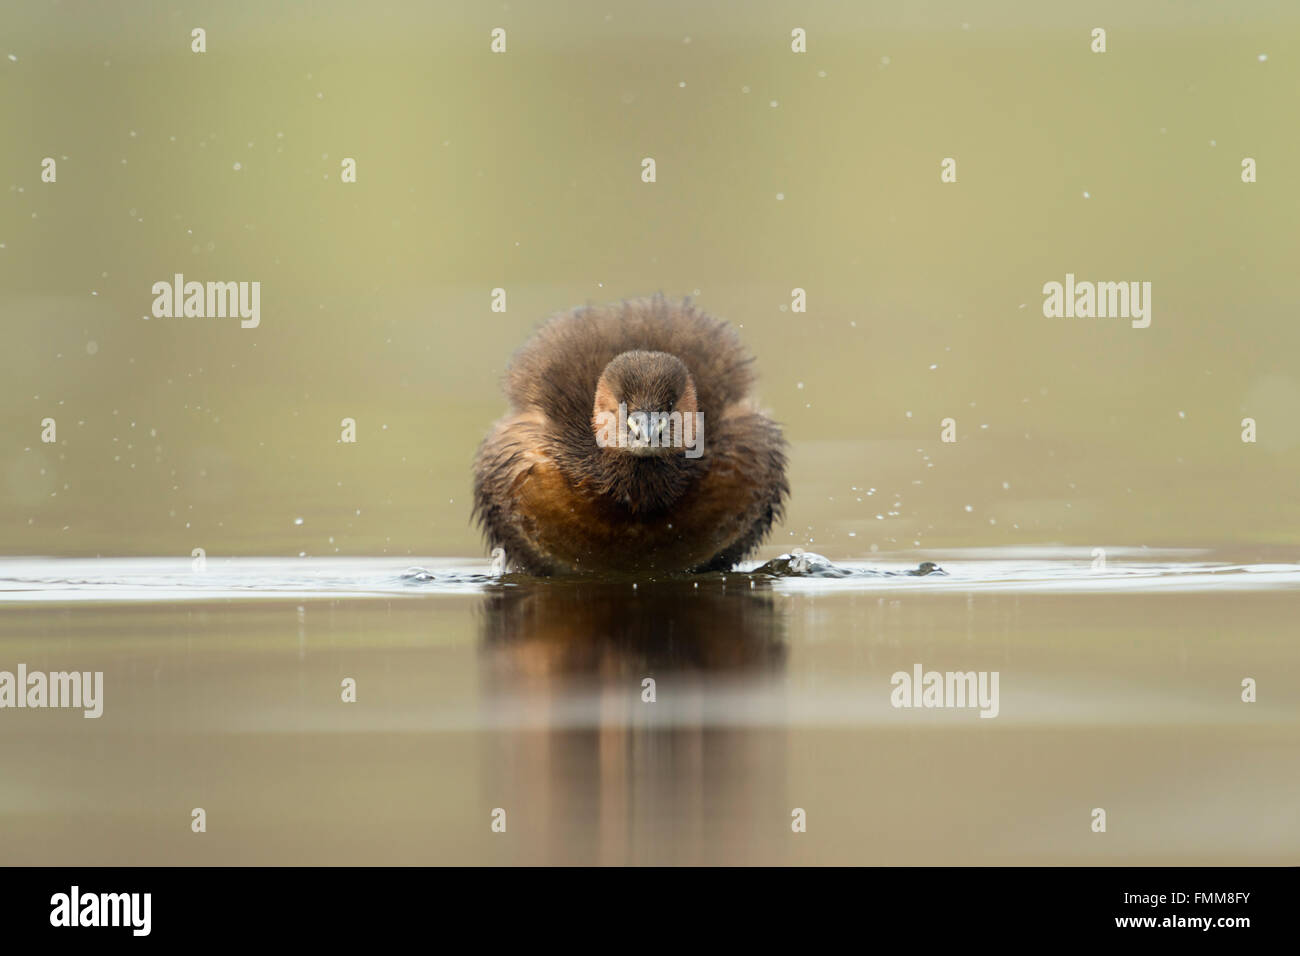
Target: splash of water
point(802, 564)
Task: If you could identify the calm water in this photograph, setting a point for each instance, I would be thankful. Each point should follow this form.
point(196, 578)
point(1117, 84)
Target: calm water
point(1119, 688)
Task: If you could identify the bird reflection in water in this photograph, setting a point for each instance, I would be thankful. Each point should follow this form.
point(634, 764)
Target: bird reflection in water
point(591, 769)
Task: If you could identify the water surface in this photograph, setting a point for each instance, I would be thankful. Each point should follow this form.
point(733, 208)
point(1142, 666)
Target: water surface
point(1119, 688)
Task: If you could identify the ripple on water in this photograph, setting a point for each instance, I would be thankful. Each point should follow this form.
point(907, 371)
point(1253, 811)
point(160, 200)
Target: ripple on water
point(31, 580)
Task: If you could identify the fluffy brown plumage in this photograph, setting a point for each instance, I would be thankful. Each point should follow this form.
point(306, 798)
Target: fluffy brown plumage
point(546, 490)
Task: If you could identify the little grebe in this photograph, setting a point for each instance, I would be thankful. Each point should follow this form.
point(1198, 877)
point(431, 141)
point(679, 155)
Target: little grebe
point(632, 444)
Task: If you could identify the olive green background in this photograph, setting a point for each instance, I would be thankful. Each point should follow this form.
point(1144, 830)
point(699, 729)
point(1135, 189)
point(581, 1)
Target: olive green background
point(523, 171)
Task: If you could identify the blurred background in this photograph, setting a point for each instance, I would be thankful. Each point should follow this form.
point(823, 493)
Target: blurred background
point(522, 171)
